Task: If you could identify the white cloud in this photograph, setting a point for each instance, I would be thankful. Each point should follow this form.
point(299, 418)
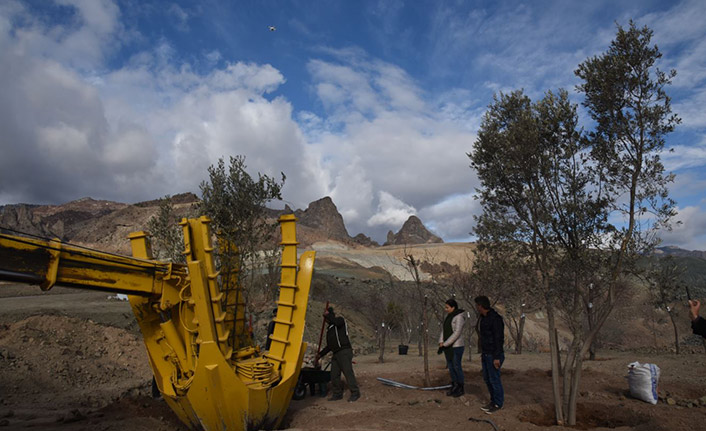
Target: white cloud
point(391, 211)
point(81, 42)
point(690, 233)
point(680, 33)
point(684, 156)
point(387, 139)
point(180, 15)
point(152, 121)
point(452, 218)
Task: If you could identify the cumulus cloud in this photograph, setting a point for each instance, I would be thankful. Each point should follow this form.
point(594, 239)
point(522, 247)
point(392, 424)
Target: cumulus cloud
point(69, 133)
point(680, 157)
point(688, 229)
point(397, 148)
point(391, 211)
point(56, 142)
point(452, 218)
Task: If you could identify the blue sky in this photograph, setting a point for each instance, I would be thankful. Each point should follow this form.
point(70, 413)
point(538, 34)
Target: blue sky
point(374, 103)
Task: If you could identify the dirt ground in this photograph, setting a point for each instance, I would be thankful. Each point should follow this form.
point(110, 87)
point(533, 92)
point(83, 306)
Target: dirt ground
point(74, 361)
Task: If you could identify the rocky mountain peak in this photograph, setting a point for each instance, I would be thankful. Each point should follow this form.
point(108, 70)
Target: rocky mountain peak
point(413, 231)
point(324, 216)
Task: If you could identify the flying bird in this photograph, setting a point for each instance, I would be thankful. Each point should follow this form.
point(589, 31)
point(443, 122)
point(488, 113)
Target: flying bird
point(272, 28)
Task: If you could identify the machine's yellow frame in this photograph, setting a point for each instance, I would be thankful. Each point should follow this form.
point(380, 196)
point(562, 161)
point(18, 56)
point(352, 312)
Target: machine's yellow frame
point(192, 320)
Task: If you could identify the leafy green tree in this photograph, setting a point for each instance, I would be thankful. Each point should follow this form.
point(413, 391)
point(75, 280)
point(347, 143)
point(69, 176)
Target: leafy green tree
point(552, 191)
point(536, 196)
point(168, 241)
point(625, 96)
point(235, 203)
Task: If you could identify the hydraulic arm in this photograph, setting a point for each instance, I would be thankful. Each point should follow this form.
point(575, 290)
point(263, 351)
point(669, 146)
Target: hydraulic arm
point(192, 320)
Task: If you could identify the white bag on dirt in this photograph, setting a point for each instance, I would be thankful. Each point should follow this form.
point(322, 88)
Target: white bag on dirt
point(643, 379)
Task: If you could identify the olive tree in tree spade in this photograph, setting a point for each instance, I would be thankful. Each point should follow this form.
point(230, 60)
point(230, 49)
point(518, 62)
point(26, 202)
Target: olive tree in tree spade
point(235, 203)
point(168, 238)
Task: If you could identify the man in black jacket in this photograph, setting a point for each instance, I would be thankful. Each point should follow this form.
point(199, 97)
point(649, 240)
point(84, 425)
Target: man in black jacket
point(337, 342)
point(698, 323)
point(492, 337)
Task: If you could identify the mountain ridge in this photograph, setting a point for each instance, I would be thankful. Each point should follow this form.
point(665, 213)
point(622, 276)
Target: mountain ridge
point(105, 224)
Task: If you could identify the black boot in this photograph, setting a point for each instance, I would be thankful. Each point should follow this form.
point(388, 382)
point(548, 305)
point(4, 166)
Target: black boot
point(459, 391)
point(451, 391)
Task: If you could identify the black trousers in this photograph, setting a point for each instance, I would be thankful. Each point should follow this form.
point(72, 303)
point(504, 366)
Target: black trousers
point(343, 361)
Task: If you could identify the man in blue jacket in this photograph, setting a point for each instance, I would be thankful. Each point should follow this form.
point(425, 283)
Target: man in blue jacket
point(337, 341)
point(492, 338)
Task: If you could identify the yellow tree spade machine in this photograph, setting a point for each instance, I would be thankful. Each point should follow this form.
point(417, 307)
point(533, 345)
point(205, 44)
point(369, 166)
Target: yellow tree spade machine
point(192, 319)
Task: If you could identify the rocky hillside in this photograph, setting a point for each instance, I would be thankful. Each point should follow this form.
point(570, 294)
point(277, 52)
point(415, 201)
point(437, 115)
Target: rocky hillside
point(323, 216)
point(676, 251)
point(102, 225)
point(413, 231)
point(105, 225)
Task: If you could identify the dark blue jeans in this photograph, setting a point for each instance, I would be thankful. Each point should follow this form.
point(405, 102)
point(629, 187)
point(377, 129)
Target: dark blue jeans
point(454, 365)
point(491, 375)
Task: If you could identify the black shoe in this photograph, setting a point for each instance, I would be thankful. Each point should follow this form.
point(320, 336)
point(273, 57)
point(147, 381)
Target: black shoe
point(493, 409)
point(487, 407)
point(452, 390)
point(354, 398)
point(335, 397)
point(459, 391)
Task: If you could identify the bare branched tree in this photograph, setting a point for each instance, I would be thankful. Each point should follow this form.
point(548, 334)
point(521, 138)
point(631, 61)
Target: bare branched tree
point(665, 278)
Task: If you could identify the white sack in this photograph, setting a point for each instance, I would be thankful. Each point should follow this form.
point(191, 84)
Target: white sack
point(643, 379)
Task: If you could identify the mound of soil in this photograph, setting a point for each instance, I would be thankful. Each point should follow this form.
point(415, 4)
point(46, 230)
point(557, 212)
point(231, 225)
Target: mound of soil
point(88, 364)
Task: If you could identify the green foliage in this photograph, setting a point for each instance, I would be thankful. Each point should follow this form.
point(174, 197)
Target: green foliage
point(553, 191)
point(167, 238)
point(535, 191)
point(625, 96)
point(235, 203)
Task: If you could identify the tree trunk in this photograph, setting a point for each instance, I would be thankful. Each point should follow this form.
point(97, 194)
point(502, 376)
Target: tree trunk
point(556, 365)
point(654, 328)
point(676, 331)
point(574, 388)
point(478, 347)
point(520, 331)
point(591, 322)
point(420, 339)
point(592, 352)
point(427, 378)
point(470, 340)
point(381, 357)
point(567, 375)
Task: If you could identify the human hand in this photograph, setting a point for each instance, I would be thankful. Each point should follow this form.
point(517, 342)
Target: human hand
point(441, 344)
point(694, 306)
point(496, 364)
